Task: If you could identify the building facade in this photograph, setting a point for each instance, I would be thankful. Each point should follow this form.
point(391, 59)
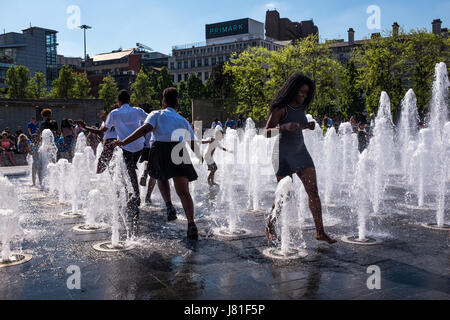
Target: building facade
point(222, 40)
point(283, 29)
point(123, 65)
point(34, 48)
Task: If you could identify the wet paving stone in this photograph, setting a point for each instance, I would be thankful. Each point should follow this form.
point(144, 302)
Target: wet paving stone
point(414, 261)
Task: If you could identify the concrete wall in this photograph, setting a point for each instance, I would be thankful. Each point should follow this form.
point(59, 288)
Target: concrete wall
point(208, 110)
point(17, 112)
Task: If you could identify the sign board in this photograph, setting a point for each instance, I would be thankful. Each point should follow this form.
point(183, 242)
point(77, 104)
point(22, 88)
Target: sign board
point(228, 28)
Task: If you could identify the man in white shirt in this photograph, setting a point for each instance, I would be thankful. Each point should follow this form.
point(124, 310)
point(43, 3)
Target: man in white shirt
point(168, 157)
point(126, 120)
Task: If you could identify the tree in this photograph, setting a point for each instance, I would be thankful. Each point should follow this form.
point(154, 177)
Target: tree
point(423, 51)
point(250, 73)
point(63, 85)
point(164, 81)
point(17, 80)
point(36, 86)
point(195, 87)
point(153, 79)
point(184, 100)
point(142, 91)
point(315, 61)
point(81, 88)
point(382, 67)
point(108, 92)
point(351, 97)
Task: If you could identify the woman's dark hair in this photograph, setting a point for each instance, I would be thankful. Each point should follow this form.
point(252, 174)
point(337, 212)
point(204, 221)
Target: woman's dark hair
point(289, 90)
point(124, 97)
point(46, 113)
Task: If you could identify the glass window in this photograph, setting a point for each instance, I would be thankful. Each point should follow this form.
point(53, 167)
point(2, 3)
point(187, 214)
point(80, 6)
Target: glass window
point(199, 63)
point(192, 63)
point(186, 64)
point(206, 62)
point(172, 66)
point(220, 59)
point(206, 75)
point(180, 78)
point(179, 65)
point(213, 61)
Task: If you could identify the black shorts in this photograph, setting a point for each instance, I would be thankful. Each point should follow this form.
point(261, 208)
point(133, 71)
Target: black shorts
point(145, 155)
point(162, 166)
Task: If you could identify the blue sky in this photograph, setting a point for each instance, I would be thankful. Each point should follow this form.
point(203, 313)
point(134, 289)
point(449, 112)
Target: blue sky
point(162, 24)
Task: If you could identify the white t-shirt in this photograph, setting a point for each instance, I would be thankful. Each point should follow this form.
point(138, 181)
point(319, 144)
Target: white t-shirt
point(127, 120)
point(169, 126)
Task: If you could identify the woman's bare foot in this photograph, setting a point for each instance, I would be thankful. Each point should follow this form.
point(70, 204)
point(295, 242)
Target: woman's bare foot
point(325, 237)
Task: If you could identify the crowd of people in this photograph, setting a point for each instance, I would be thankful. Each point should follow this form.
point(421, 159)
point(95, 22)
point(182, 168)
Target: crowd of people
point(148, 137)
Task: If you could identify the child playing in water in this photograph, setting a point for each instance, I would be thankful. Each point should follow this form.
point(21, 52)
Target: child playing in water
point(37, 163)
point(288, 119)
point(213, 144)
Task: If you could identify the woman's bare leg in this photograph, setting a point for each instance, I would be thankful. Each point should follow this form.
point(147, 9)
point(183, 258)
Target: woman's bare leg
point(309, 179)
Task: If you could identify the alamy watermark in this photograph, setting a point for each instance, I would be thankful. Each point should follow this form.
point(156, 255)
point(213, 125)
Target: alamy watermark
point(74, 281)
point(374, 281)
point(374, 20)
point(74, 19)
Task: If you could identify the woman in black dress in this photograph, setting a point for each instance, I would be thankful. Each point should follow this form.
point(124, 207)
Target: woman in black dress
point(288, 118)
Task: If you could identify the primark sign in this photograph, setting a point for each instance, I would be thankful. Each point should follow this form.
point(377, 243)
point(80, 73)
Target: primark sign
point(228, 28)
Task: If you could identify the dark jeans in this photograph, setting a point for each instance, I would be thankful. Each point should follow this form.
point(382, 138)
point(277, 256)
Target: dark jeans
point(131, 160)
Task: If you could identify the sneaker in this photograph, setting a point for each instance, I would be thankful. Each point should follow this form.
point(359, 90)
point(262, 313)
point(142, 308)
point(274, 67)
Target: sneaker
point(171, 214)
point(192, 233)
point(143, 181)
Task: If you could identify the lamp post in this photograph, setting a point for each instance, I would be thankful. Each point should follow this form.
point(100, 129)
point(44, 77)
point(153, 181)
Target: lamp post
point(85, 27)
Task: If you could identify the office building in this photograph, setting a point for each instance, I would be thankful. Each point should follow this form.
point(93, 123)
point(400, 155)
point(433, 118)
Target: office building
point(222, 40)
point(34, 48)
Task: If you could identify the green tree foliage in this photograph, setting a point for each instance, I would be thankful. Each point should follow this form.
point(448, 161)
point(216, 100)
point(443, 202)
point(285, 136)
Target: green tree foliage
point(108, 92)
point(382, 67)
point(195, 87)
point(142, 91)
point(184, 100)
point(423, 51)
point(351, 95)
point(164, 81)
point(157, 96)
point(250, 71)
point(37, 86)
point(81, 88)
point(17, 80)
point(64, 84)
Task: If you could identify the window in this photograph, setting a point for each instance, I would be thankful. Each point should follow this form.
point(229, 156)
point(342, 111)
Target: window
point(220, 59)
point(186, 64)
point(213, 61)
point(172, 66)
point(180, 78)
point(206, 75)
point(179, 65)
point(206, 62)
point(199, 63)
point(199, 75)
point(192, 63)
point(186, 76)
